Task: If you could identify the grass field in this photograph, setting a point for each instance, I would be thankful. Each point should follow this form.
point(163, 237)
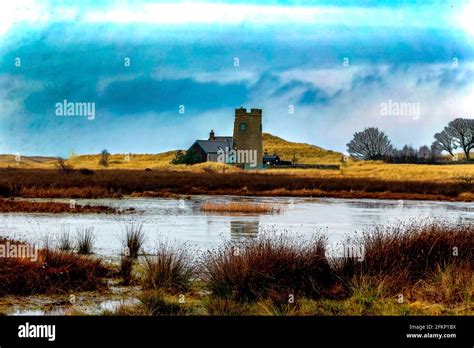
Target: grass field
point(38, 177)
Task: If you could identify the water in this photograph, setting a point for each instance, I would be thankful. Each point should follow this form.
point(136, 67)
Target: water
point(182, 221)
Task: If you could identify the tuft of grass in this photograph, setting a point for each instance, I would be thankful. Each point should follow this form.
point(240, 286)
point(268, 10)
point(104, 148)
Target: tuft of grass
point(125, 269)
point(451, 284)
point(155, 303)
point(85, 240)
point(279, 304)
point(170, 269)
point(64, 242)
point(225, 307)
point(239, 207)
point(257, 268)
point(134, 239)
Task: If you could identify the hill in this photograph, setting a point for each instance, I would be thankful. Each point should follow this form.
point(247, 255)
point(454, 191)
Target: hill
point(305, 153)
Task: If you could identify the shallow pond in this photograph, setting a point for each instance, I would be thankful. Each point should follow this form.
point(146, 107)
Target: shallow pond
point(182, 221)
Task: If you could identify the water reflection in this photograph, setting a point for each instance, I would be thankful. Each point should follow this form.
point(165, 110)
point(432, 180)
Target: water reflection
point(244, 229)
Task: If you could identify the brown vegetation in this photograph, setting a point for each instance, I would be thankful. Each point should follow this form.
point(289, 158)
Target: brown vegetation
point(11, 205)
point(268, 266)
point(239, 207)
point(53, 272)
point(403, 255)
point(395, 260)
point(114, 183)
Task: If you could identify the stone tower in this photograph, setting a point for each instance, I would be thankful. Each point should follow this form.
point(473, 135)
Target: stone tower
point(248, 132)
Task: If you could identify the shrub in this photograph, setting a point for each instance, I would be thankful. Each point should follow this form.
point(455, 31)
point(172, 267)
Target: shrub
point(53, 272)
point(406, 253)
point(85, 240)
point(134, 239)
point(125, 271)
point(256, 268)
point(170, 269)
point(64, 241)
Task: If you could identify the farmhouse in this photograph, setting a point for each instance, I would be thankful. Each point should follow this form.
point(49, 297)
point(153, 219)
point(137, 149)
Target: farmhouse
point(244, 147)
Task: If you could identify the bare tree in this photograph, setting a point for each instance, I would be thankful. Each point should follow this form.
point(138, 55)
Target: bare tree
point(62, 166)
point(444, 141)
point(104, 158)
point(462, 132)
point(370, 144)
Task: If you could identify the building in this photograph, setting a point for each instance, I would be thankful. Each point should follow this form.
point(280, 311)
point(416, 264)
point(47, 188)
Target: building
point(244, 147)
point(248, 132)
point(207, 150)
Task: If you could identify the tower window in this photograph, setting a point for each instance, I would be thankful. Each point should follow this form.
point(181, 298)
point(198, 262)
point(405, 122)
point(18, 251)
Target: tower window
point(243, 127)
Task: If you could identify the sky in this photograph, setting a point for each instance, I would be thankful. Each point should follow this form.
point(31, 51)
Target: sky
point(162, 74)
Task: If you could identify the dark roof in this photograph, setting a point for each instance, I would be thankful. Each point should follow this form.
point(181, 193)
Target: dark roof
point(229, 139)
point(212, 146)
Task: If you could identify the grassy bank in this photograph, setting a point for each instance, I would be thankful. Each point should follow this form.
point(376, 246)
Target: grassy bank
point(115, 183)
point(424, 269)
point(415, 269)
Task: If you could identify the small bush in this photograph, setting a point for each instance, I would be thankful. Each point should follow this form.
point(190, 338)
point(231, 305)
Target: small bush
point(451, 284)
point(53, 272)
point(134, 239)
point(407, 253)
point(85, 240)
point(256, 268)
point(64, 242)
point(170, 269)
point(125, 271)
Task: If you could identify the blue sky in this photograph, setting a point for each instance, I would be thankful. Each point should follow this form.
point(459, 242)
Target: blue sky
point(334, 62)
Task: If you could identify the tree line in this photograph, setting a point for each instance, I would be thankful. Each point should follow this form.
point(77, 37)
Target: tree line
point(373, 144)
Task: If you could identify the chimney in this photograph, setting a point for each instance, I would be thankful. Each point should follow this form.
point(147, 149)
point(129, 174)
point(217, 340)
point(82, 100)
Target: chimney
point(211, 135)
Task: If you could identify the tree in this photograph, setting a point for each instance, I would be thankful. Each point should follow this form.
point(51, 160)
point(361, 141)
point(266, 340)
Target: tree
point(62, 166)
point(425, 154)
point(189, 157)
point(462, 132)
point(444, 141)
point(104, 158)
point(370, 144)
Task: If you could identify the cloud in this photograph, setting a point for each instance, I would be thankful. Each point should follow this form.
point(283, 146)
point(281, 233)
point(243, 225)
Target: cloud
point(65, 56)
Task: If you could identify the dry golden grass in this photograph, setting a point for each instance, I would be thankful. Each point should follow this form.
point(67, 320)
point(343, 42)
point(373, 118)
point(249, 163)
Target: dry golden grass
point(353, 169)
point(386, 171)
point(239, 207)
point(304, 153)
